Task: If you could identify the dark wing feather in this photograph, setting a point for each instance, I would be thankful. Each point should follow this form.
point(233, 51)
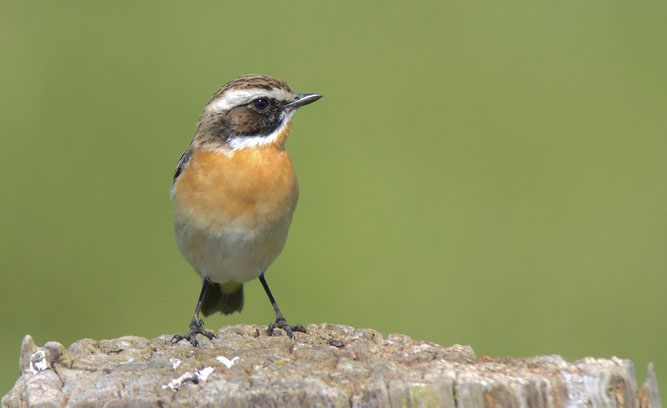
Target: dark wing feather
point(182, 164)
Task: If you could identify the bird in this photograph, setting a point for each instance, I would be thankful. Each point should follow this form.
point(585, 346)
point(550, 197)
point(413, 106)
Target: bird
point(234, 193)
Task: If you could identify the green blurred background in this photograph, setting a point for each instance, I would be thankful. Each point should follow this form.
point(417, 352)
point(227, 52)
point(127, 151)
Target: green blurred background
point(484, 173)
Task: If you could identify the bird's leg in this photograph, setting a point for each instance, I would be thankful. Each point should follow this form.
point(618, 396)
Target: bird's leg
point(196, 325)
point(280, 322)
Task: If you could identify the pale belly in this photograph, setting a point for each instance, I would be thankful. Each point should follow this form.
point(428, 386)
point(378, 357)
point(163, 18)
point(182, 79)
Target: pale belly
point(233, 253)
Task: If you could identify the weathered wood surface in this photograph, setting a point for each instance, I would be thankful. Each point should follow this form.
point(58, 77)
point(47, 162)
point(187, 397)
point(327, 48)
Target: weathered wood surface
point(331, 366)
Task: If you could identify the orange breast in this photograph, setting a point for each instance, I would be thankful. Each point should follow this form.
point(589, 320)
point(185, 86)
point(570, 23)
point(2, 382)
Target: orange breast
point(252, 186)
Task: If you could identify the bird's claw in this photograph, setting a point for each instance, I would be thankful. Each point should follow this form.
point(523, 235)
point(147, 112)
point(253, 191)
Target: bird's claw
point(196, 327)
point(281, 323)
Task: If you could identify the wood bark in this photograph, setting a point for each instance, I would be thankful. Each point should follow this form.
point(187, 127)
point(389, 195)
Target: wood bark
point(330, 366)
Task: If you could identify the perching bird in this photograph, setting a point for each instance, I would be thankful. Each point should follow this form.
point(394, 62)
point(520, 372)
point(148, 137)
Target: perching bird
point(234, 194)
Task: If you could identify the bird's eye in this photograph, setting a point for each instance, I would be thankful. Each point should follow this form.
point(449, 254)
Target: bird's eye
point(261, 104)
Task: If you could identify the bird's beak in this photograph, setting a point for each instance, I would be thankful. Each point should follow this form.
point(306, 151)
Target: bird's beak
point(302, 99)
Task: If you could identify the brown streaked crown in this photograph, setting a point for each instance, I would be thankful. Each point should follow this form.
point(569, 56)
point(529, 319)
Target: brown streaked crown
point(253, 81)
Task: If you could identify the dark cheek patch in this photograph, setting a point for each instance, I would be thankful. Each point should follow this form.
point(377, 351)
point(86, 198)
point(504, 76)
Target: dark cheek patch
point(245, 121)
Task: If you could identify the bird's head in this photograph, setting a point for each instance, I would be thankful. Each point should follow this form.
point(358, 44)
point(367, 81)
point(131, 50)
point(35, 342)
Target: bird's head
point(249, 112)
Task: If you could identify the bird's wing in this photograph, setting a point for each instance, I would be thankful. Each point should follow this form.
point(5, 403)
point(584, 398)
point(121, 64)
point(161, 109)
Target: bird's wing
point(182, 165)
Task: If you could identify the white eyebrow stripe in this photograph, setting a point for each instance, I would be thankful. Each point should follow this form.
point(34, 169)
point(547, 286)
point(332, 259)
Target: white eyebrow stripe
point(244, 142)
point(232, 98)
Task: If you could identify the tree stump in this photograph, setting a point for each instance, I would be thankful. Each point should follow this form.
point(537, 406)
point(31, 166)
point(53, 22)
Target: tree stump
point(330, 366)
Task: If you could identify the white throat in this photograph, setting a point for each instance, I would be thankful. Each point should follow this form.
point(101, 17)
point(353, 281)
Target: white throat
point(245, 142)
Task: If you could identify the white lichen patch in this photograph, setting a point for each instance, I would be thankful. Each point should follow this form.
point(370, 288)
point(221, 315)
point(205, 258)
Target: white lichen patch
point(174, 363)
point(38, 362)
point(191, 376)
point(205, 372)
point(227, 362)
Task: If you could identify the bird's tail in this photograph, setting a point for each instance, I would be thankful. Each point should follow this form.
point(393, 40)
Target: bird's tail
point(226, 298)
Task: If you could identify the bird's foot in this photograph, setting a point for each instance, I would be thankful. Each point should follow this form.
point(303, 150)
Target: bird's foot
point(196, 327)
point(281, 323)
